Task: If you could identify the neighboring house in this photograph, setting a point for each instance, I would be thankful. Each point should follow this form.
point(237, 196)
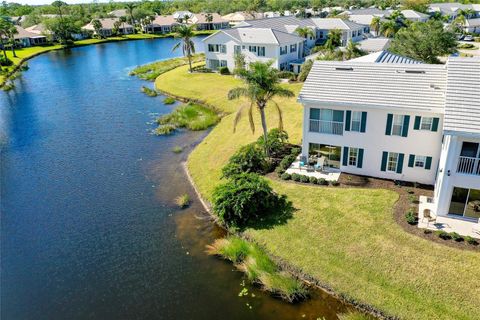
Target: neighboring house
point(40, 29)
point(412, 15)
point(118, 13)
point(365, 16)
point(350, 30)
point(26, 38)
point(395, 118)
point(451, 9)
point(256, 44)
point(108, 26)
point(472, 25)
point(217, 22)
point(162, 24)
point(237, 17)
point(374, 44)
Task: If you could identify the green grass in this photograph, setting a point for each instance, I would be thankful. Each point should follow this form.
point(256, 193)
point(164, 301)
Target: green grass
point(191, 116)
point(169, 100)
point(259, 268)
point(346, 238)
point(149, 92)
point(152, 70)
point(183, 200)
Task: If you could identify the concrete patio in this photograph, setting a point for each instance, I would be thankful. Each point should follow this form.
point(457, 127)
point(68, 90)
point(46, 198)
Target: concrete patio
point(460, 225)
point(329, 174)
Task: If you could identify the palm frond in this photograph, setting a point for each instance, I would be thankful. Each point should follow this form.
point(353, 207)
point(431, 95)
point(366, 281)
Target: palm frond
point(250, 118)
point(282, 92)
point(175, 47)
point(236, 93)
point(280, 115)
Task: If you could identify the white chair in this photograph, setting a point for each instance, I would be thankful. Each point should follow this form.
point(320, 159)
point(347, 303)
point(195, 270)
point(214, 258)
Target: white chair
point(320, 164)
point(427, 214)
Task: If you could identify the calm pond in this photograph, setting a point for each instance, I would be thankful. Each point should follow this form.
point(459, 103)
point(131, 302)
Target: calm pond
point(89, 228)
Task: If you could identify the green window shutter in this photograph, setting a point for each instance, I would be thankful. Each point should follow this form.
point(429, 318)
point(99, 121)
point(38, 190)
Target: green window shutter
point(428, 163)
point(400, 163)
point(416, 125)
point(411, 161)
point(435, 124)
point(388, 130)
point(384, 161)
point(360, 158)
point(406, 123)
point(345, 156)
point(348, 119)
point(314, 114)
point(363, 125)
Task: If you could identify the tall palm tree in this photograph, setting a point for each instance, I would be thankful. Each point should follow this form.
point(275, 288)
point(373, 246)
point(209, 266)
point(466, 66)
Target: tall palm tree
point(186, 33)
point(334, 39)
point(123, 19)
point(388, 28)
point(11, 32)
point(209, 19)
point(261, 86)
point(375, 25)
point(97, 26)
point(130, 7)
point(4, 26)
point(304, 32)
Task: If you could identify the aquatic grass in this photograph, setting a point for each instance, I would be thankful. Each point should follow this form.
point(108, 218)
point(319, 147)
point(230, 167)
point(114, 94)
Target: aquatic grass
point(151, 71)
point(149, 92)
point(169, 100)
point(258, 267)
point(164, 129)
point(177, 149)
point(183, 200)
point(354, 316)
point(191, 116)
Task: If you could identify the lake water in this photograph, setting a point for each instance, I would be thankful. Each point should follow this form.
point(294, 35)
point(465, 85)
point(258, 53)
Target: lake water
point(89, 228)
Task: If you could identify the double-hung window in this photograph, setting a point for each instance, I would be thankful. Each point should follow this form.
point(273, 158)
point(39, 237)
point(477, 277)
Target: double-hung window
point(426, 123)
point(392, 161)
point(252, 49)
point(261, 51)
point(237, 49)
point(397, 125)
point(223, 48)
point(420, 161)
point(352, 156)
point(283, 50)
point(356, 121)
point(293, 47)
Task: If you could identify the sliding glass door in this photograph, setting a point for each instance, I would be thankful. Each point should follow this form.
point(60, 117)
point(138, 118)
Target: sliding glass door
point(331, 153)
point(465, 202)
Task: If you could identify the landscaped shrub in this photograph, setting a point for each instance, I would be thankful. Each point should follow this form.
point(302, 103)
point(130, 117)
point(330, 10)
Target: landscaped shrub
point(455, 236)
point(224, 70)
point(249, 158)
point(411, 218)
point(276, 140)
point(5, 62)
point(286, 75)
point(295, 151)
point(334, 183)
point(287, 161)
point(443, 235)
point(246, 198)
point(322, 182)
point(305, 70)
point(304, 178)
point(312, 180)
point(296, 177)
point(286, 176)
point(471, 240)
point(169, 100)
point(412, 198)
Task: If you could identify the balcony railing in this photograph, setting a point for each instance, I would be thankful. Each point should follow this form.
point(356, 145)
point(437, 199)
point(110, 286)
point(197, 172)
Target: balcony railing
point(469, 165)
point(329, 127)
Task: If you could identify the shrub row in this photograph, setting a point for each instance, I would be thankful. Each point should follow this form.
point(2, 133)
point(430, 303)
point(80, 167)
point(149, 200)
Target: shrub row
point(306, 179)
point(453, 236)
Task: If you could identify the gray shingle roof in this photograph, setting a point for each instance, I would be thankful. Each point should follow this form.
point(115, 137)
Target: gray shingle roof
point(278, 23)
point(260, 36)
point(416, 86)
point(372, 11)
point(374, 44)
point(336, 23)
point(462, 106)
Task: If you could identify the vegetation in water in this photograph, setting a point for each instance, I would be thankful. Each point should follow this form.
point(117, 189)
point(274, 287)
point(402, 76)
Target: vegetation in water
point(169, 100)
point(259, 268)
point(152, 70)
point(183, 200)
point(191, 116)
point(149, 92)
point(354, 316)
point(164, 130)
point(177, 149)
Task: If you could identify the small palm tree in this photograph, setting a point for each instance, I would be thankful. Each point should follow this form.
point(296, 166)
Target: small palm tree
point(304, 32)
point(130, 7)
point(186, 33)
point(388, 28)
point(352, 50)
point(334, 39)
point(123, 19)
point(375, 25)
point(209, 19)
point(261, 86)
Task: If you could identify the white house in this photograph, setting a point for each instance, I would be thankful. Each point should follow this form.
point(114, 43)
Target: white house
point(350, 30)
point(256, 44)
point(108, 24)
point(27, 38)
point(452, 9)
point(391, 117)
point(472, 25)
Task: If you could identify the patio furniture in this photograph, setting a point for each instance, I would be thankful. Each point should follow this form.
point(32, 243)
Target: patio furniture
point(320, 164)
point(427, 214)
point(302, 163)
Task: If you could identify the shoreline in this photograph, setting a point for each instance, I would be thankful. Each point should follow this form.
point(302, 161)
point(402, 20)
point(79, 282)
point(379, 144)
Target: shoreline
point(86, 42)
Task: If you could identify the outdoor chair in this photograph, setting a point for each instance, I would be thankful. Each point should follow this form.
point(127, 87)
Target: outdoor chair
point(302, 163)
point(320, 164)
point(427, 214)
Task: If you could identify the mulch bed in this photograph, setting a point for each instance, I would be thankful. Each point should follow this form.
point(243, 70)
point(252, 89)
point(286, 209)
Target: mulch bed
point(406, 191)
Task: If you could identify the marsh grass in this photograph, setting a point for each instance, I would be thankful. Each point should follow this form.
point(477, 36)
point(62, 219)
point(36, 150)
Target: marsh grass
point(191, 116)
point(258, 267)
point(169, 100)
point(151, 71)
point(149, 92)
point(177, 149)
point(164, 130)
point(183, 201)
point(354, 316)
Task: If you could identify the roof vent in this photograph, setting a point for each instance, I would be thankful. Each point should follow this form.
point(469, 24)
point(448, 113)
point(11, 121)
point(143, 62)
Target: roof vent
point(343, 69)
point(414, 71)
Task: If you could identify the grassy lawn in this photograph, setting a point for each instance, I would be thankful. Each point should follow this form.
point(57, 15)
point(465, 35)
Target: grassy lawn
point(346, 238)
point(152, 70)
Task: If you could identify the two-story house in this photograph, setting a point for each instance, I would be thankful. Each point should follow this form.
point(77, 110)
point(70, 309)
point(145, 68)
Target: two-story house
point(256, 44)
point(398, 119)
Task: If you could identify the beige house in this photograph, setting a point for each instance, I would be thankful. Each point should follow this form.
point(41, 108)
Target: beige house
point(108, 26)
